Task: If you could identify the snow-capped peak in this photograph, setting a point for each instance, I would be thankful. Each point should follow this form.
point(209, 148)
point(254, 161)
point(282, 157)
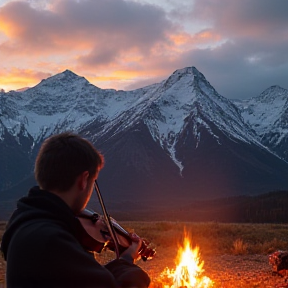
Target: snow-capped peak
point(264, 110)
point(187, 95)
point(66, 79)
point(67, 101)
point(189, 72)
point(272, 94)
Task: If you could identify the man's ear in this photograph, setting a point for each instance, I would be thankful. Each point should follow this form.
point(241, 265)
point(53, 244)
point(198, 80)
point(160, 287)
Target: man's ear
point(82, 180)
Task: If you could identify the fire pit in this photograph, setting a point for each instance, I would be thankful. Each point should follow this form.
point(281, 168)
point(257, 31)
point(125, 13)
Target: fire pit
point(188, 272)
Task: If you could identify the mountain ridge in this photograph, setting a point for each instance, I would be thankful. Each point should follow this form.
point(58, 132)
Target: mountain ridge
point(269, 119)
point(177, 135)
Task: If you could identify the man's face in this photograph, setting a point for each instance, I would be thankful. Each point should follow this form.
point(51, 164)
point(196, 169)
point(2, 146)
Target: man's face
point(86, 195)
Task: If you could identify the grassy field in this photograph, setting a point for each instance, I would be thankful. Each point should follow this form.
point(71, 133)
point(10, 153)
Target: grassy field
point(213, 239)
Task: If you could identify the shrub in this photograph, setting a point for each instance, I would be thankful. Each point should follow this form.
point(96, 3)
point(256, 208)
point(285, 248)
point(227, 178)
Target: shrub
point(239, 247)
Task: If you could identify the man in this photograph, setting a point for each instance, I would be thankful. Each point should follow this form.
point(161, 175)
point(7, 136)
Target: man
point(41, 243)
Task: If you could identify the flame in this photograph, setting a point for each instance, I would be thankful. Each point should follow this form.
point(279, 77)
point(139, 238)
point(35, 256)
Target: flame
point(188, 270)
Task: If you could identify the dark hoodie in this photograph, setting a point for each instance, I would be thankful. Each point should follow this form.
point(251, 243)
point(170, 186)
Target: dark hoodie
point(41, 249)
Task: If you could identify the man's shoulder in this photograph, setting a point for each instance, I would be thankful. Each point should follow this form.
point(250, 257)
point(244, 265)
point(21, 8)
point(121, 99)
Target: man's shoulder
point(44, 238)
point(39, 229)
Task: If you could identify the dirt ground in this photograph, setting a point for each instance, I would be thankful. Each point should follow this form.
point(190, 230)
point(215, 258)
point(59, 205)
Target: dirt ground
point(226, 271)
point(2, 272)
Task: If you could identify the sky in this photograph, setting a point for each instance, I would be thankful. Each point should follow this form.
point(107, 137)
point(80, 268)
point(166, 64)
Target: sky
point(241, 46)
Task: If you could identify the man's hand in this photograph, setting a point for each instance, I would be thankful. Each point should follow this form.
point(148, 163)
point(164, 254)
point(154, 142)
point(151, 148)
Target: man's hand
point(132, 252)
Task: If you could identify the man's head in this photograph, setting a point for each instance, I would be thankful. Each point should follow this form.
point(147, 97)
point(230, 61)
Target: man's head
point(62, 158)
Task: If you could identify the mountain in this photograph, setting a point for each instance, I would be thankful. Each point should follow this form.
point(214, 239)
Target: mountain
point(267, 114)
point(164, 145)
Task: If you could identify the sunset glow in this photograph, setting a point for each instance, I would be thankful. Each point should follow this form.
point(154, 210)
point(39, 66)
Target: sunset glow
point(125, 44)
point(18, 79)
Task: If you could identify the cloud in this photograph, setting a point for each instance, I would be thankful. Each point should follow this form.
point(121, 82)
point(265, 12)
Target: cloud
point(260, 25)
point(14, 78)
point(243, 16)
point(256, 45)
point(106, 35)
point(240, 46)
point(27, 28)
point(231, 74)
point(95, 27)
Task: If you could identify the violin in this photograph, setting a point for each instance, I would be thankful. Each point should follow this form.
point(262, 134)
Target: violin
point(94, 235)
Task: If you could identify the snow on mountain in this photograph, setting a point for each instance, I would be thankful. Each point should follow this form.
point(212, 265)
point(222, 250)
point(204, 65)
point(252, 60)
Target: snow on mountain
point(69, 102)
point(268, 116)
point(179, 126)
point(186, 92)
point(62, 102)
point(264, 111)
point(165, 107)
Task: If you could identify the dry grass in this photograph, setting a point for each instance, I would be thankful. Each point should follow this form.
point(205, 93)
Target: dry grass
point(216, 238)
point(233, 253)
point(239, 247)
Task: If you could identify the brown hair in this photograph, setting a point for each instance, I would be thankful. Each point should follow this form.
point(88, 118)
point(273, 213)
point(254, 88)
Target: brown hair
point(62, 158)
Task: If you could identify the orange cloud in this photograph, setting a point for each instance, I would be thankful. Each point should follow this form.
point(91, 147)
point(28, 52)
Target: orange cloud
point(203, 37)
point(20, 78)
point(208, 35)
point(125, 43)
point(110, 38)
point(126, 74)
point(116, 76)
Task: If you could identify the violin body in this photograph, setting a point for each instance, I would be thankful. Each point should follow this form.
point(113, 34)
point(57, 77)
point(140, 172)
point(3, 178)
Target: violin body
point(94, 235)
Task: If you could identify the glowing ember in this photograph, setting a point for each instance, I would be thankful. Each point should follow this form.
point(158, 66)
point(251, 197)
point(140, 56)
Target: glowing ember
point(188, 270)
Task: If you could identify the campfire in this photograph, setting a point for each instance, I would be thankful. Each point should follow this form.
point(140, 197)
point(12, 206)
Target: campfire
point(189, 269)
